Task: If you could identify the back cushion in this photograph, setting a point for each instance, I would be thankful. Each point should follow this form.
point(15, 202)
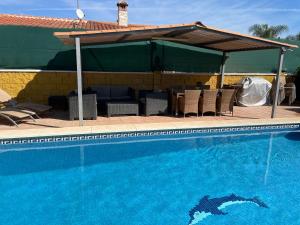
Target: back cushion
point(143, 93)
point(118, 91)
point(102, 91)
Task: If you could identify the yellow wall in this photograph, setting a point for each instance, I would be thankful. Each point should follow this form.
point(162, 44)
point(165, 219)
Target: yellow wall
point(38, 86)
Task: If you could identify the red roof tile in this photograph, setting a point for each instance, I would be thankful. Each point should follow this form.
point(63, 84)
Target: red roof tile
point(35, 21)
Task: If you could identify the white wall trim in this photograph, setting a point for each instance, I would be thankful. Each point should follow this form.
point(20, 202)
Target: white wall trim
point(65, 71)
point(20, 70)
point(250, 74)
point(218, 74)
point(146, 73)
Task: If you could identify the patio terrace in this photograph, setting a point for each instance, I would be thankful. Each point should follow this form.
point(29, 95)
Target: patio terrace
point(242, 115)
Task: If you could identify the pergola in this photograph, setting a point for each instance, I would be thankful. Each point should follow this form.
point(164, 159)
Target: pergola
point(194, 34)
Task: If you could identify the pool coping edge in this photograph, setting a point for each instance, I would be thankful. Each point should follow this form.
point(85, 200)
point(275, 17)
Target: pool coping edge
point(138, 127)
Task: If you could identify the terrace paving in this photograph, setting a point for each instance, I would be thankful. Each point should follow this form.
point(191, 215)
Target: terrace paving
point(57, 123)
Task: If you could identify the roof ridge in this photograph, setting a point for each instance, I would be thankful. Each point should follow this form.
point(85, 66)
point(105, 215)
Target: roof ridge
point(38, 17)
point(62, 19)
point(104, 22)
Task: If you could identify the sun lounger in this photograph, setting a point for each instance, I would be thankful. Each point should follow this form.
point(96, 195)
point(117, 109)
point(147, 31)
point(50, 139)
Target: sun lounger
point(14, 115)
point(38, 108)
point(7, 100)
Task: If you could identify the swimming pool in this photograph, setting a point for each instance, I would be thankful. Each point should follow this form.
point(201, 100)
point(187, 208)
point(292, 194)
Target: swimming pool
point(154, 178)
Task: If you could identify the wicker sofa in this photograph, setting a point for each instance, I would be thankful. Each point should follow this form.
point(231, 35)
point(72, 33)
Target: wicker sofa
point(153, 103)
point(111, 93)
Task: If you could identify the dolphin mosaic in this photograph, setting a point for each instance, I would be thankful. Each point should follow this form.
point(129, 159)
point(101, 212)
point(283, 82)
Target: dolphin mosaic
point(213, 206)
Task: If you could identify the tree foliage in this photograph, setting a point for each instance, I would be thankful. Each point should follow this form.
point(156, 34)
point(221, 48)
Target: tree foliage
point(298, 71)
point(266, 31)
point(294, 37)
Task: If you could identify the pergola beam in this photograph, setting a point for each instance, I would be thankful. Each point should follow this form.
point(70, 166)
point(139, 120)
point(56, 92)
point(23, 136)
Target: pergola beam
point(123, 38)
point(279, 71)
point(217, 41)
point(244, 37)
point(251, 49)
point(192, 32)
point(176, 33)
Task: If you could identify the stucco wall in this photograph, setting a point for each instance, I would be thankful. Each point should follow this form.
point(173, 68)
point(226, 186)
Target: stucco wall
point(38, 86)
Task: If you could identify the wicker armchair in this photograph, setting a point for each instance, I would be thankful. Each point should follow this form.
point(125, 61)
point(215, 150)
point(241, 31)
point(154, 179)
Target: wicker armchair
point(225, 101)
point(89, 107)
point(281, 96)
point(155, 103)
point(190, 102)
point(208, 102)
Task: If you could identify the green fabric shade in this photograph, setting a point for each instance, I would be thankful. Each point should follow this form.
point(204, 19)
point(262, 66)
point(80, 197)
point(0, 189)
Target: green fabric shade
point(37, 48)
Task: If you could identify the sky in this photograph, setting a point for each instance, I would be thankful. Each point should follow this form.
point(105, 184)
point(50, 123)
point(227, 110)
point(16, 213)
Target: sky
point(234, 15)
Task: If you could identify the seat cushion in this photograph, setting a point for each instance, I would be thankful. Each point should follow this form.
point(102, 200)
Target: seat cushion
point(142, 100)
point(103, 98)
point(121, 98)
point(118, 91)
point(143, 93)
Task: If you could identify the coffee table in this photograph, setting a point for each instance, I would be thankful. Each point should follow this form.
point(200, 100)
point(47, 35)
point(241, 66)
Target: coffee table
point(122, 108)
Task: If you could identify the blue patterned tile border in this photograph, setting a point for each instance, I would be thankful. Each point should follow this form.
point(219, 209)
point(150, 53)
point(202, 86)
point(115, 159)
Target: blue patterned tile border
point(104, 136)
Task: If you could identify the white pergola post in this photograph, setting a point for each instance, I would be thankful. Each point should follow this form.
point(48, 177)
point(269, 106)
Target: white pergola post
point(79, 81)
point(279, 70)
point(224, 58)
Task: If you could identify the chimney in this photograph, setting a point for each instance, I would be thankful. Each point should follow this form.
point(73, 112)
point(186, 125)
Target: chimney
point(122, 13)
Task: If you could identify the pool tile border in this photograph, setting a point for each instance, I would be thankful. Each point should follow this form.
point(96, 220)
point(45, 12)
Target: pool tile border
point(149, 133)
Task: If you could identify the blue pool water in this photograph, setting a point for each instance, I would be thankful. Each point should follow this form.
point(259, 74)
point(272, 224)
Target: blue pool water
point(154, 180)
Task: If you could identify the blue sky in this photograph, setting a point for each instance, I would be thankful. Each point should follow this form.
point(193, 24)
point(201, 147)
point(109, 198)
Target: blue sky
point(235, 15)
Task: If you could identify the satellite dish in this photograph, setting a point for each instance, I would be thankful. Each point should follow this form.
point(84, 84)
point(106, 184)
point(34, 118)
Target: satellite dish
point(80, 14)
